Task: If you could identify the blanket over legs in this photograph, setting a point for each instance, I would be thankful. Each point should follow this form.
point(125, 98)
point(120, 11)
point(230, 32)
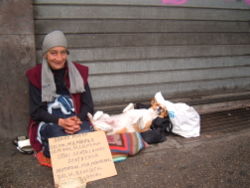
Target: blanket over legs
point(125, 144)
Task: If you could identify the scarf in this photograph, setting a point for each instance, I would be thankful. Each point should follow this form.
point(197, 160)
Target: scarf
point(48, 83)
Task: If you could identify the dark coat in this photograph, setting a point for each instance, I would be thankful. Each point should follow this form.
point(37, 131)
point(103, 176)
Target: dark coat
point(34, 76)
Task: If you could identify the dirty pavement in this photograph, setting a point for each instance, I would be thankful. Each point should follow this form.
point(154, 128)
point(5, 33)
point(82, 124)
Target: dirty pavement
point(219, 158)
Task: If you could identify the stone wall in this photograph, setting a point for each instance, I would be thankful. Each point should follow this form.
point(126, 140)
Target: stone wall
point(17, 54)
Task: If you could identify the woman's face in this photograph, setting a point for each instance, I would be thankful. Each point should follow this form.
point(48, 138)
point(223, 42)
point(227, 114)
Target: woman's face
point(57, 57)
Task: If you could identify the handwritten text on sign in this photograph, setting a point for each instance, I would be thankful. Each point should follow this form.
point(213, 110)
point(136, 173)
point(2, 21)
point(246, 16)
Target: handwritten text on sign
point(82, 156)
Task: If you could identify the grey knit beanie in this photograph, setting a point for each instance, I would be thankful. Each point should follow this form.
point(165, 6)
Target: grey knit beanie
point(54, 39)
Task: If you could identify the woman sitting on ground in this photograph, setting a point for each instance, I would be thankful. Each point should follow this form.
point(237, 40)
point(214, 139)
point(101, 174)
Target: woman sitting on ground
point(60, 97)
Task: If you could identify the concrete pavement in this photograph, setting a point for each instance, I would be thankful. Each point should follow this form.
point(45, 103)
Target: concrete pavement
point(214, 160)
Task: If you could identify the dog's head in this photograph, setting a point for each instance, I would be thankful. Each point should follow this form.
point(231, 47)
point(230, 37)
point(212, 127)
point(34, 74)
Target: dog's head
point(160, 109)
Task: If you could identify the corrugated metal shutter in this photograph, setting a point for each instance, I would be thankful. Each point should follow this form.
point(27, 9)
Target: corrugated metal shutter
point(135, 48)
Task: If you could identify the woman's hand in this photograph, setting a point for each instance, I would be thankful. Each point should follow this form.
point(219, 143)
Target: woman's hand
point(71, 125)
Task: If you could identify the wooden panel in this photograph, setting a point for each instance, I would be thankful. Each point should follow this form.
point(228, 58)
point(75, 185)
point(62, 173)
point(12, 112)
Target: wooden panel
point(190, 3)
point(101, 54)
point(102, 96)
point(152, 39)
point(103, 67)
point(131, 12)
point(138, 26)
point(136, 79)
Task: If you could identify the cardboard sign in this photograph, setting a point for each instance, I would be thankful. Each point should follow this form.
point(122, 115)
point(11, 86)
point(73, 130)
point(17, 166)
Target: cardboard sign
point(80, 158)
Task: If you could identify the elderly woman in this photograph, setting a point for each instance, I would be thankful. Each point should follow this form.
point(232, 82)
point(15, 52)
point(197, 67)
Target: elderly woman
point(60, 97)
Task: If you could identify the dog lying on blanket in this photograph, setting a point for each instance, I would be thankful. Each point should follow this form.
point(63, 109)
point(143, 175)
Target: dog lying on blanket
point(130, 120)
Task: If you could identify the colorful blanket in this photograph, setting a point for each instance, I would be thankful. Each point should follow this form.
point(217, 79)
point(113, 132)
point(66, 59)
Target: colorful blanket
point(121, 146)
point(124, 145)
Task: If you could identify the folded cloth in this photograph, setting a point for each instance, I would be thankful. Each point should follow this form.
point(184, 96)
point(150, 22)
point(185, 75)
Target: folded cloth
point(126, 143)
point(119, 157)
point(160, 128)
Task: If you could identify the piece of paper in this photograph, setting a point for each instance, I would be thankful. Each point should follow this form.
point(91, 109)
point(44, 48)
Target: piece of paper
point(80, 158)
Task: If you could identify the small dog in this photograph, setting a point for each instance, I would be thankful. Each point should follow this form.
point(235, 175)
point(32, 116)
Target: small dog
point(130, 120)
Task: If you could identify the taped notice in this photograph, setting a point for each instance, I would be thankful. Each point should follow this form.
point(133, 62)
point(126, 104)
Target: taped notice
point(80, 158)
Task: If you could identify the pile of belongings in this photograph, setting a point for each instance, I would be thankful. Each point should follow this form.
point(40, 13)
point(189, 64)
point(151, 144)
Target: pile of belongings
point(182, 120)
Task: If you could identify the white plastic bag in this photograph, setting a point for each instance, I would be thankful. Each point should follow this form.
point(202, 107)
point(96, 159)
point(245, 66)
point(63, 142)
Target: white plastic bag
point(185, 119)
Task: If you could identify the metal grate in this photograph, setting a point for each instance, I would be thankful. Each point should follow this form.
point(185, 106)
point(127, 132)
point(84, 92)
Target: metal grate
point(225, 122)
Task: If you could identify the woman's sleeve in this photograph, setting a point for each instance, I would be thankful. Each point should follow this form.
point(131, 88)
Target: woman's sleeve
point(86, 103)
point(38, 109)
